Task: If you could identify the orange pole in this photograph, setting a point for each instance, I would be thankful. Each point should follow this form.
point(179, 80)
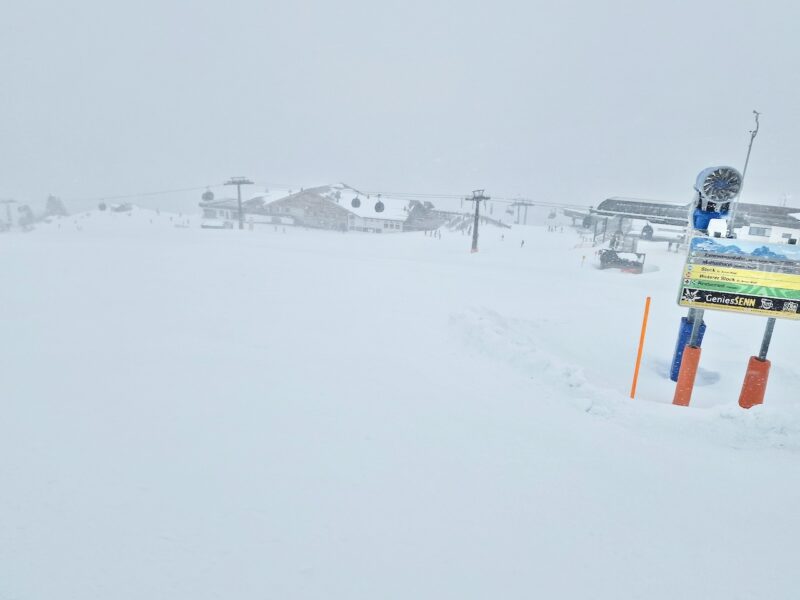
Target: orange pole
point(755, 383)
point(686, 376)
point(641, 347)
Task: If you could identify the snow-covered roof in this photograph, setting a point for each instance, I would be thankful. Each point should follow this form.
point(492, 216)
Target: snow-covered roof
point(393, 209)
point(266, 196)
point(648, 201)
point(343, 195)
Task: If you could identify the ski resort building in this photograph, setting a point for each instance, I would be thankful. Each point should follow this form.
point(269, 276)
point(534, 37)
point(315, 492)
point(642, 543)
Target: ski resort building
point(662, 220)
point(763, 223)
point(342, 208)
point(337, 207)
point(223, 213)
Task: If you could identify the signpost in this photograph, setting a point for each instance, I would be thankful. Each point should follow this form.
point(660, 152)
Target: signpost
point(744, 277)
point(741, 276)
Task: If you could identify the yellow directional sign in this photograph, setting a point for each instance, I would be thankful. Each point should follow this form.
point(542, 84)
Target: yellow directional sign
point(742, 277)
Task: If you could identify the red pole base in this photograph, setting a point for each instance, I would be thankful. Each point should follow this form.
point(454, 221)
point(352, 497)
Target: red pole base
point(755, 383)
point(686, 376)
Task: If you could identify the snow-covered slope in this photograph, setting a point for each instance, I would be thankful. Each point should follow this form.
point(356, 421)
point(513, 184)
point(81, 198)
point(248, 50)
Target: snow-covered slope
point(225, 414)
point(136, 219)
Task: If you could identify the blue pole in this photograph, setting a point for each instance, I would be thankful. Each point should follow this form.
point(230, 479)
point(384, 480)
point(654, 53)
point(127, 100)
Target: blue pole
point(684, 336)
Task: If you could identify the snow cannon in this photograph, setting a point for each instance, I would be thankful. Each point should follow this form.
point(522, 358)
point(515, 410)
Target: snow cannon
point(716, 188)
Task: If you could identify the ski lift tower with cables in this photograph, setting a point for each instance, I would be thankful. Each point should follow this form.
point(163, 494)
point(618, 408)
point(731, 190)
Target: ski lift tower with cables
point(239, 182)
point(519, 204)
point(477, 197)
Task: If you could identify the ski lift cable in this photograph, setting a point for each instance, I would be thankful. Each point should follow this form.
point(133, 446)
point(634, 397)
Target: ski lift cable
point(498, 199)
point(283, 186)
point(144, 194)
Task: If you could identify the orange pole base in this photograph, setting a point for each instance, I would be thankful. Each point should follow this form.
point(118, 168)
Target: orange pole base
point(686, 376)
point(755, 383)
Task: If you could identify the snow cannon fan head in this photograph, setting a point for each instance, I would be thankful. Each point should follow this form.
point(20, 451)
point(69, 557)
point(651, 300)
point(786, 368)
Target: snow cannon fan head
point(716, 188)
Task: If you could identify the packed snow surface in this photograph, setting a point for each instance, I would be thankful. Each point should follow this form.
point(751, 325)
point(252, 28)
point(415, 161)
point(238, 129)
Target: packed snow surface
point(192, 414)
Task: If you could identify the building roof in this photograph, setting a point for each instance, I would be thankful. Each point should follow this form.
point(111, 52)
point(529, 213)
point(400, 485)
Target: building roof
point(344, 196)
point(649, 201)
point(747, 213)
point(253, 201)
point(656, 212)
point(341, 194)
point(766, 214)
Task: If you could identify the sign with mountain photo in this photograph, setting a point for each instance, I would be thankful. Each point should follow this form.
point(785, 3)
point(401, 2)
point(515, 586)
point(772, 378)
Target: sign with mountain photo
point(741, 276)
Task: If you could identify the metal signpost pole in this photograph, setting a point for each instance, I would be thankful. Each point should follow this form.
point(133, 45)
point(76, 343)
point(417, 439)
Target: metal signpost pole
point(755, 380)
point(762, 354)
point(698, 319)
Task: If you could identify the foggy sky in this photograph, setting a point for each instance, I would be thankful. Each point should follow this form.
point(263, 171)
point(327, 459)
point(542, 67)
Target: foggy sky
point(567, 102)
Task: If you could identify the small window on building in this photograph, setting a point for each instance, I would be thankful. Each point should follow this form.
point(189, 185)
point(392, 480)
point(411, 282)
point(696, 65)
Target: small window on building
point(786, 236)
point(760, 231)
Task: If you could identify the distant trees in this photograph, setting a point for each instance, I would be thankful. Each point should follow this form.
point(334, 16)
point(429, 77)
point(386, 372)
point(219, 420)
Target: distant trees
point(26, 217)
point(55, 207)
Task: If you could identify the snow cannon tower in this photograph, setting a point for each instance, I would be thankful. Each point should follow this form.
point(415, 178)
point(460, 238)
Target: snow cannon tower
point(715, 190)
